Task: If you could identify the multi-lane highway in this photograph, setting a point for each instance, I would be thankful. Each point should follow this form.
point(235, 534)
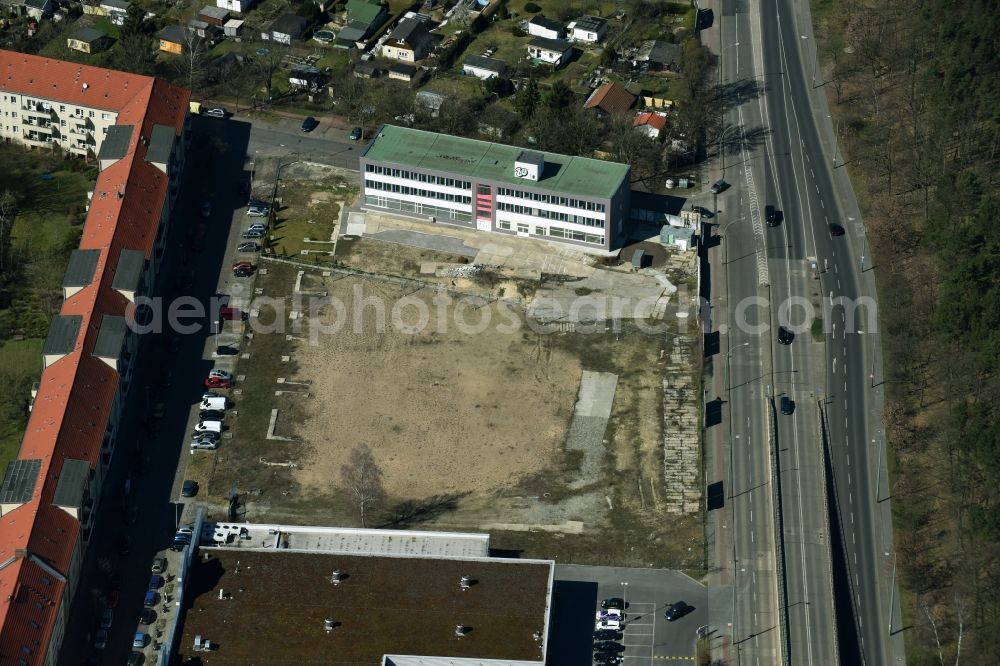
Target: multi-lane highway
point(819, 591)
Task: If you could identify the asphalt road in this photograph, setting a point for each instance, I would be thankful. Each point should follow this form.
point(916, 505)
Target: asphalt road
point(282, 136)
point(836, 532)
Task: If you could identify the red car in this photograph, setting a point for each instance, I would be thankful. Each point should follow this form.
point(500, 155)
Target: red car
point(243, 269)
point(218, 382)
point(232, 314)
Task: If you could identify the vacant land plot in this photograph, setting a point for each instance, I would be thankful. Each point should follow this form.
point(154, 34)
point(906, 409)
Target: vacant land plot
point(308, 218)
point(447, 410)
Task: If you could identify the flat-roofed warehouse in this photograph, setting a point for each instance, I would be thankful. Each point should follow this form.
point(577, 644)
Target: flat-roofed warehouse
point(495, 187)
point(275, 606)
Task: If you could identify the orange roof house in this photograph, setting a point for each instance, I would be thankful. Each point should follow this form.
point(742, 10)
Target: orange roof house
point(611, 98)
point(650, 123)
point(49, 492)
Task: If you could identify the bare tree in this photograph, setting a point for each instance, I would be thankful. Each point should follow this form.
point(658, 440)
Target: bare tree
point(266, 66)
point(192, 62)
point(362, 477)
point(8, 209)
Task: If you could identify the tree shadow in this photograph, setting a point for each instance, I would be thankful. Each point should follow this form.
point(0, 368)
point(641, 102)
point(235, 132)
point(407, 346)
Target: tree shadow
point(414, 512)
point(732, 94)
point(730, 140)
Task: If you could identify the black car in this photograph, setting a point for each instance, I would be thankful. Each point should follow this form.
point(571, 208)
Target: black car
point(771, 216)
point(211, 415)
point(677, 611)
point(614, 602)
point(356, 134)
point(243, 271)
point(609, 646)
point(719, 186)
point(787, 408)
point(189, 489)
point(136, 659)
point(147, 617)
point(836, 230)
point(607, 635)
point(309, 124)
point(608, 658)
point(785, 336)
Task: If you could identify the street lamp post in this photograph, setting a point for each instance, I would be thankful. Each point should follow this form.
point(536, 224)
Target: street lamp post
point(728, 387)
point(624, 598)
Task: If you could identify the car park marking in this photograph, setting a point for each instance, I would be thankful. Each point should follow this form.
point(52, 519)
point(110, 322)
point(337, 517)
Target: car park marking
point(660, 656)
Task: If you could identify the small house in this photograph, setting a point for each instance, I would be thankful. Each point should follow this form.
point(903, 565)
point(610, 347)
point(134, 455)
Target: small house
point(216, 16)
point(368, 69)
point(238, 6)
point(410, 41)
point(402, 72)
point(366, 16)
point(88, 40)
point(610, 99)
point(431, 102)
point(36, 9)
point(203, 29)
point(550, 51)
point(115, 10)
point(540, 26)
point(484, 68)
point(588, 29)
point(650, 124)
point(304, 76)
point(682, 238)
point(285, 28)
point(656, 55)
point(173, 38)
point(233, 28)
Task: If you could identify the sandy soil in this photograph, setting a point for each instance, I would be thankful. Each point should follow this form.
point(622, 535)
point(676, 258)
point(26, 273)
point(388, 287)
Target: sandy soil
point(445, 411)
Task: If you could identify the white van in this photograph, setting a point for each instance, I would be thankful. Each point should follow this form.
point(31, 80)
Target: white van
point(214, 403)
point(208, 426)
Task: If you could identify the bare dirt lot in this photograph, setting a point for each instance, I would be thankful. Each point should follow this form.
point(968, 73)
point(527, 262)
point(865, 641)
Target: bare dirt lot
point(447, 411)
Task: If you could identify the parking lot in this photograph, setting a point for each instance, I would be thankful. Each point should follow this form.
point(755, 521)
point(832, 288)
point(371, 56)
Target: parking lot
point(648, 637)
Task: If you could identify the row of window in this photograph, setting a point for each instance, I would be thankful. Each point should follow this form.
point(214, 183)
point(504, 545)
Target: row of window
point(551, 199)
point(419, 177)
point(47, 107)
point(416, 192)
point(549, 214)
point(554, 232)
point(419, 208)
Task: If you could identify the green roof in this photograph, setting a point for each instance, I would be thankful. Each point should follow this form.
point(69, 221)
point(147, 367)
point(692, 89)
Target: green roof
point(364, 11)
point(494, 162)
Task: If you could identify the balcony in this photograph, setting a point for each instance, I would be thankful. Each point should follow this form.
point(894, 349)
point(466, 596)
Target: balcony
point(79, 149)
point(38, 140)
point(79, 129)
point(37, 111)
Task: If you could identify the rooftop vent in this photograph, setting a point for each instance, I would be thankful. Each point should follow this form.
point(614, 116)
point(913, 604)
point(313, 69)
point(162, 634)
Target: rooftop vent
point(337, 577)
point(465, 583)
point(328, 625)
point(86, 85)
point(460, 630)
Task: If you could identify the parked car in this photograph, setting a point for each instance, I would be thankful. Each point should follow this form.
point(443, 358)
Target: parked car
point(719, 186)
point(609, 646)
point(149, 601)
point(607, 635)
point(608, 658)
point(147, 616)
point(101, 639)
point(232, 314)
point(309, 124)
point(206, 209)
point(258, 203)
point(155, 582)
point(189, 488)
point(139, 640)
point(107, 618)
point(218, 382)
point(208, 436)
point(112, 598)
point(186, 529)
point(215, 112)
point(249, 247)
point(785, 336)
point(254, 232)
point(136, 659)
point(159, 565)
point(209, 426)
point(702, 211)
point(203, 445)
point(677, 610)
point(257, 226)
point(356, 134)
point(613, 602)
point(243, 269)
point(221, 374)
point(211, 415)
point(258, 211)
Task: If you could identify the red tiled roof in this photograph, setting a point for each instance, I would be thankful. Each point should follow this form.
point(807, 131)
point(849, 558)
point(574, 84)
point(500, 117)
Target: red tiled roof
point(30, 598)
point(654, 120)
point(612, 98)
point(76, 393)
